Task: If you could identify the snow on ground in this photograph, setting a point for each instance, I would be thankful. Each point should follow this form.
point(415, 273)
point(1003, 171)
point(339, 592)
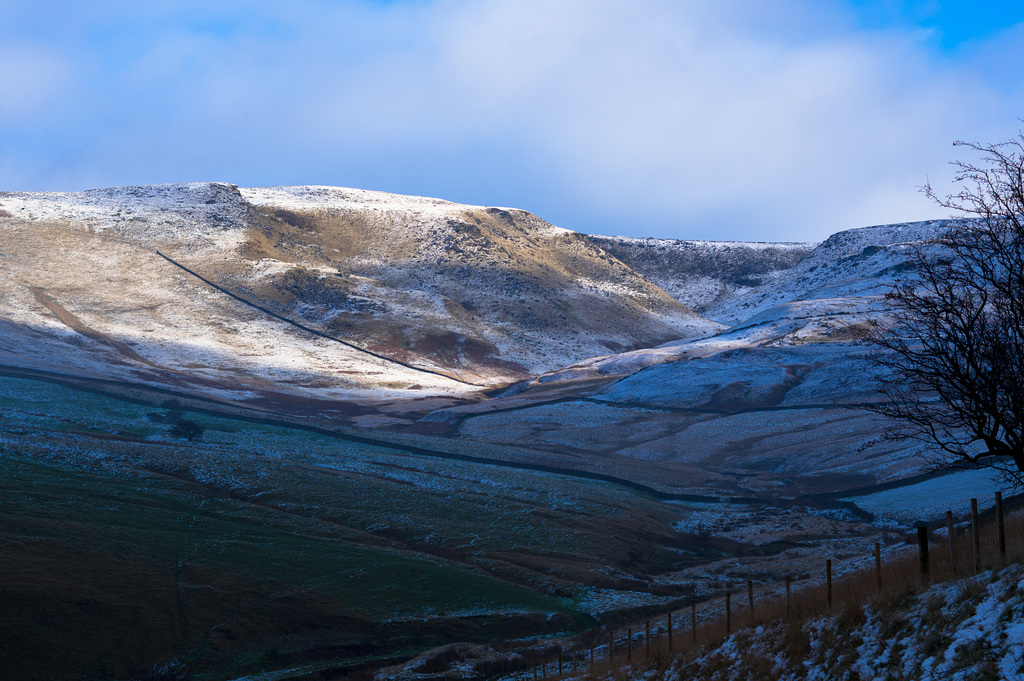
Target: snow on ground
point(967, 630)
point(702, 273)
point(861, 262)
point(599, 601)
point(313, 197)
point(141, 214)
point(428, 281)
point(930, 499)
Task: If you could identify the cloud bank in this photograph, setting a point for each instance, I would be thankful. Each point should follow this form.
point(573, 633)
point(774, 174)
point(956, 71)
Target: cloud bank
point(783, 121)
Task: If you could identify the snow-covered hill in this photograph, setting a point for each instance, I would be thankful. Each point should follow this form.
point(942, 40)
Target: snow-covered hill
point(765, 399)
point(856, 263)
point(320, 301)
point(488, 290)
point(268, 295)
point(826, 297)
point(702, 273)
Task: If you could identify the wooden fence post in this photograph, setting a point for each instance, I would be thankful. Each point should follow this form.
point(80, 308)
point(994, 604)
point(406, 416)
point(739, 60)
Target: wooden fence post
point(544, 668)
point(611, 646)
point(975, 535)
point(647, 638)
point(951, 531)
point(560, 675)
point(789, 599)
point(728, 612)
point(750, 598)
point(828, 583)
point(1000, 527)
point(629, 645)
point(878, 565)
point(669, 632)
point(922, 547)
point(693, 622)
point(592, 652)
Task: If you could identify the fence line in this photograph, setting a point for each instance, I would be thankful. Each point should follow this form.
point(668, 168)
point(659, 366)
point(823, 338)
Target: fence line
point(889, 578)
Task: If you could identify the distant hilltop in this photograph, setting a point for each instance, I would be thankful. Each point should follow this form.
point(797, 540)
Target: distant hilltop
point(275, 292)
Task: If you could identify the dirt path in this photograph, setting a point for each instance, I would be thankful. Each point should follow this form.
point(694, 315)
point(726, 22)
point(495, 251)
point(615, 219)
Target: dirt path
point(66, 317)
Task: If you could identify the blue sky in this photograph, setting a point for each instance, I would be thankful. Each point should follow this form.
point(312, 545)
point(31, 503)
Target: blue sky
point(767, 120)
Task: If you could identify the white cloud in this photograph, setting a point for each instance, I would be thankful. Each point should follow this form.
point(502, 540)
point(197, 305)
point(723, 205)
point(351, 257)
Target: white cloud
point(658, 109)
point(776, 119)
point(654, 110)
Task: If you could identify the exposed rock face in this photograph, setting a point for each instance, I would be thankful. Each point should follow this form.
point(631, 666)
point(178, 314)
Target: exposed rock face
point(702, 273)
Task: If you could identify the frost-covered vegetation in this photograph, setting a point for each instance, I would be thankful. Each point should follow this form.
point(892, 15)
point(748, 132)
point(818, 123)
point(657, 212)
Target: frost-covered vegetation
point(476, 294)
point(971, 629)
point(702, 273)
point(312, 428)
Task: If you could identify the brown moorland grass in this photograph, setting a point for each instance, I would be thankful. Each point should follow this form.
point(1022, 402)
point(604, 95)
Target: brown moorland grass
point(900, 577)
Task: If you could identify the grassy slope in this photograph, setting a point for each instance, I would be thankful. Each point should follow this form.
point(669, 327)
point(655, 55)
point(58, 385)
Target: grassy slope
point(118, 573)
point(259, 546)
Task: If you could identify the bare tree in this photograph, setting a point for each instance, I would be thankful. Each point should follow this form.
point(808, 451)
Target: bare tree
point(952, 358)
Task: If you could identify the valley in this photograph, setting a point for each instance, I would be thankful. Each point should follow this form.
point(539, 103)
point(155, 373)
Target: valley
point(317, 426)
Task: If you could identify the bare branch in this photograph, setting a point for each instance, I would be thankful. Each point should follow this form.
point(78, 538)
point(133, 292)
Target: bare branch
point(951, 363)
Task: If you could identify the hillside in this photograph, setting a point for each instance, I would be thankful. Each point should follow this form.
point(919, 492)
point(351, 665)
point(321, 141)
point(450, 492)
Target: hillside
point(967, 629)
point(851, 266)
point(493, 288)
point(701, 274)
point(734, 414)
point(286, 421)
point(268, 296)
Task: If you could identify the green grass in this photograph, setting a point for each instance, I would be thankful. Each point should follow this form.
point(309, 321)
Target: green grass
point(120, 572)
point(262, 546)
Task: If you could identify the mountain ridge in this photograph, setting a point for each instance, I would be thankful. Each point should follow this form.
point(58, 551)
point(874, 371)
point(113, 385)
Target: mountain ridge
point(479, 295)
point(701, 274)
point(317, 412)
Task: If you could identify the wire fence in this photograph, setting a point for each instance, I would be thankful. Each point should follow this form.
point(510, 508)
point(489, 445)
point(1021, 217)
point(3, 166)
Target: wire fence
point(946, 549)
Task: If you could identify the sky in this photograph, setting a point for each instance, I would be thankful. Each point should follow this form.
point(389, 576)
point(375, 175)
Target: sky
point(766, 120)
